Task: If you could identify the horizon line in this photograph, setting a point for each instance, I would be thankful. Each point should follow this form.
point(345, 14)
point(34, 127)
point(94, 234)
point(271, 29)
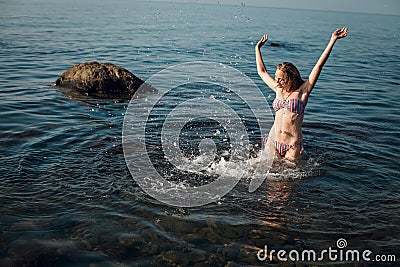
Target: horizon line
point(265, 6)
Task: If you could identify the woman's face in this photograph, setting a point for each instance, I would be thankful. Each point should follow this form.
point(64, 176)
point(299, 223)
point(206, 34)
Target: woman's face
point(279, 79)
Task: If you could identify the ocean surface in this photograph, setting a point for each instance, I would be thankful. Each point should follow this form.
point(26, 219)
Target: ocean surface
point(67, 197)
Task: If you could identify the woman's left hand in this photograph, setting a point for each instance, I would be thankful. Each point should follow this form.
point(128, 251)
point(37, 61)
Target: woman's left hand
point(339, 33)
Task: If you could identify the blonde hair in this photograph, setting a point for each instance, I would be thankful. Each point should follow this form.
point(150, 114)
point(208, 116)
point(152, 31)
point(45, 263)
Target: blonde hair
point(291, 75)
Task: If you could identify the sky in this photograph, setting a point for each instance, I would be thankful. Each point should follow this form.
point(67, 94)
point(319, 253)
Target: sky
point(390, 7)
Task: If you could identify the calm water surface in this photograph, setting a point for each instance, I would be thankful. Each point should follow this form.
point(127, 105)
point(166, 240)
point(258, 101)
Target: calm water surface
point(67, 197)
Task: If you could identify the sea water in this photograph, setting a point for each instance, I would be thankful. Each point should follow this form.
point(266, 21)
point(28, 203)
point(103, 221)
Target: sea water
point(68, 198)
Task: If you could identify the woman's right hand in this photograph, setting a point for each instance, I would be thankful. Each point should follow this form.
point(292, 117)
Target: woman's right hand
point(262, 41)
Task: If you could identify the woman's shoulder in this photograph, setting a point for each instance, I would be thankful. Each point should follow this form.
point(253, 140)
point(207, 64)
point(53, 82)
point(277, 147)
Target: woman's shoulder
point(303, 93)
point(304, 87)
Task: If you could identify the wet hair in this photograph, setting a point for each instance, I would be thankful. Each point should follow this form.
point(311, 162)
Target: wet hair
point(291, 75)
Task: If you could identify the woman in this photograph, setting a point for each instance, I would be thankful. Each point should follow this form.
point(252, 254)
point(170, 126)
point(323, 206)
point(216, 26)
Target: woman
point(291, 98)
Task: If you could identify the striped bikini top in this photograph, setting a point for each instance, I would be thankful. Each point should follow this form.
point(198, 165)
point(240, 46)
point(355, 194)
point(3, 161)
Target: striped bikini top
point(293, 105)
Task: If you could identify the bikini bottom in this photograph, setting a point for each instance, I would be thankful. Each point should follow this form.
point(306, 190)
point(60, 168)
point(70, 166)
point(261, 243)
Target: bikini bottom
point(283, 148)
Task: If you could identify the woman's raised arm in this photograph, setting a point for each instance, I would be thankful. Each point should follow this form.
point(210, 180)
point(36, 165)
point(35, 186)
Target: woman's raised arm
point(262, 71)
point(316, 71)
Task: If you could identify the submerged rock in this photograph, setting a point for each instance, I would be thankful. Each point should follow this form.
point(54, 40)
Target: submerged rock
point(276, 44)
point(102, 80)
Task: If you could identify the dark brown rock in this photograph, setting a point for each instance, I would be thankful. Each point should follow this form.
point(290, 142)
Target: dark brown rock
point(276, 44)
point(102, 80)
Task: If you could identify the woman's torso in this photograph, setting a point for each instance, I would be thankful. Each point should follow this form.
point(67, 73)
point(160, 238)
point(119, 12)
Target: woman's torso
point(289, 114)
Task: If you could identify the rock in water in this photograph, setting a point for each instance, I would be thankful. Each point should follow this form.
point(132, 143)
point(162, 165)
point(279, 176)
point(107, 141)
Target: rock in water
point(276, 44)
point(103, 80)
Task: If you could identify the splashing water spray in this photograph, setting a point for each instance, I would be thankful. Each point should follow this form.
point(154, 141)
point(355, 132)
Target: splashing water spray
point(213, 95)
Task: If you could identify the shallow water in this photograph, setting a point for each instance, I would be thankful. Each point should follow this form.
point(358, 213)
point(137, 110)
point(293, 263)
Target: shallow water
point(68, 198)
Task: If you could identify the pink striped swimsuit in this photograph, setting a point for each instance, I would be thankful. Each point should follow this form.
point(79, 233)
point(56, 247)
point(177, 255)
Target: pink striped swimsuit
point(295, 106)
